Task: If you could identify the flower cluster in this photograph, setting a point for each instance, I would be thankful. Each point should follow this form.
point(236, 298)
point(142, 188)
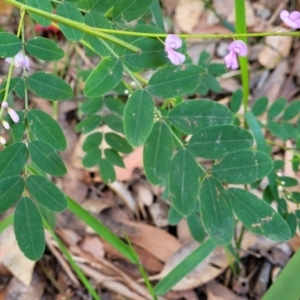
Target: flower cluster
point(19, 61)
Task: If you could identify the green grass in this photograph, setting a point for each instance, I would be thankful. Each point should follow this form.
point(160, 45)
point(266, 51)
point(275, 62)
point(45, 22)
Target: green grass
point(240, 17)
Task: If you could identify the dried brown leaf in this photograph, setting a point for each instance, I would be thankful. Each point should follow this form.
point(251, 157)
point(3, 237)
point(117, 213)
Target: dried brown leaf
point(276, 48)
point(13, 259)
point(217, 291)
point(187, 14)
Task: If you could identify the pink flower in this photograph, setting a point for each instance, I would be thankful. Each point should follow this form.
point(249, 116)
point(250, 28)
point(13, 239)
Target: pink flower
point(292, 19)
point(174, 42)
point(235, 48)
point(20, 61)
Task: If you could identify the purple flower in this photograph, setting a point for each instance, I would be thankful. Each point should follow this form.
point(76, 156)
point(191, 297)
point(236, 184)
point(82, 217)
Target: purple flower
point(174, 42)
point(235, 48)
point(20, 60)
point(292, 19)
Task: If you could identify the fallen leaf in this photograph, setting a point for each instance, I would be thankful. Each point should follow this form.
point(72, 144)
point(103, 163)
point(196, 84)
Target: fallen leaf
point(123, 192)
point(183, 232)
point(132, 161)
point(187, 14)
point(5, 8)
point(13, 259)
point(114, 284)
point(17, 290)
point(156, 241)
point(170, 6)
point(159, 213)
point(149, 262)
point(207, 270)
point(92, 245)
point(217, 291)
point(276, 48)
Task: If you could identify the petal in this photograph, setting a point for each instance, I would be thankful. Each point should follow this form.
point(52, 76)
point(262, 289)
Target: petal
point(241, 45)
point(234, 63)
point(284, 14)
point(228, 59)
point(14, 116)
point(173, 41)
point(290, 23)
point(295, 15)
point(231, 60)
point(243, 49)
point(297, 22)
point(175, 57)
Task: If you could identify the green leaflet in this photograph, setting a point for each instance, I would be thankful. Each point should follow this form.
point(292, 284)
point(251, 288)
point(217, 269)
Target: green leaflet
point(10, 44)
point(190, 116)
point(258, 216)
point(216, 212)
point(46, 193)
point(158, 154)
point(215, 141)
point(45, 128)
point(243, 166)
point(44, 49)
point(29, 229)
point(138, 117)
point(183, 182)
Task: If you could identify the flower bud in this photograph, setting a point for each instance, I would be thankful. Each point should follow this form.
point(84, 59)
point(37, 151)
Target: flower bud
point(4, 104)
point(14, 116)
point(2, 140)
point(5, 124)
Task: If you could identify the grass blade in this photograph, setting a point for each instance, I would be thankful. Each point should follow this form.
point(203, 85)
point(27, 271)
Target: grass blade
point(102, 230)
point(283, 287)
point(241, 27)
point(73, 264)
point(184, 267)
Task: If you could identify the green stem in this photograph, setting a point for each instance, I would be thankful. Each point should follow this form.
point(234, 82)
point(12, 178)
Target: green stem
point(77, 25)
point(100, 32)
point(72, 262)
point(12, 65)
point(240, 17)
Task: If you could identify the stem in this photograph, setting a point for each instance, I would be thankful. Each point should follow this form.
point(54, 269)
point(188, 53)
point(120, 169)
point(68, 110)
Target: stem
point(241, 27)
point(11, 65)
point(239, 241)
point(100, 32)
point(77, 25)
